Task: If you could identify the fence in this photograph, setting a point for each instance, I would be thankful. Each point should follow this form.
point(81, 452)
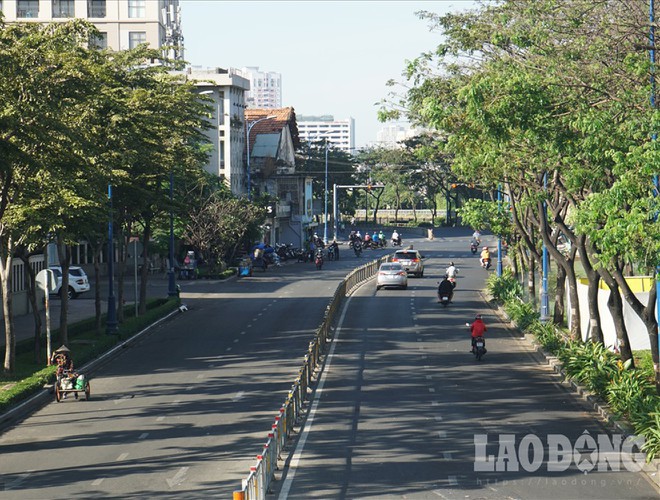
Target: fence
point(261, 475)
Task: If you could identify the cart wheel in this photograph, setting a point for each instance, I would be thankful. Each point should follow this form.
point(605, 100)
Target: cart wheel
point(87, 391)
point(58, 394)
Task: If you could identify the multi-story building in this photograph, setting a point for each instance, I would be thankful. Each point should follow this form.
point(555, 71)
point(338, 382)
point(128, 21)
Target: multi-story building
point(340, 134)
point(124, 24)
point(227, 88)
point(265, 88)
point(392, 135)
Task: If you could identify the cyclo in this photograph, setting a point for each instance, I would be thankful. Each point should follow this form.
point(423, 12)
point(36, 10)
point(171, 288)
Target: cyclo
point(67, 379)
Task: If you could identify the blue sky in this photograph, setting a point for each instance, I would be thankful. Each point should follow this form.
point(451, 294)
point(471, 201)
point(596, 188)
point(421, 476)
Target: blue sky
point(335, 57)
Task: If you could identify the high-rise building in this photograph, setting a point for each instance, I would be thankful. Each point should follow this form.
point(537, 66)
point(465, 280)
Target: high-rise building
point(265, 88)
point(393, 135)
point(339, 133)
point(124, 24)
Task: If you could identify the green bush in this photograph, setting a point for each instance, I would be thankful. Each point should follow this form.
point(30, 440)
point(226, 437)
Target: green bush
point(522, 313)
point(547, 335)
point(504, 288)
point(590, 363)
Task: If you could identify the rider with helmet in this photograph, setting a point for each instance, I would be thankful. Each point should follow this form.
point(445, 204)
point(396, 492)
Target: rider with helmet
point(452, 272)
point(485, 256)
point(478, 329)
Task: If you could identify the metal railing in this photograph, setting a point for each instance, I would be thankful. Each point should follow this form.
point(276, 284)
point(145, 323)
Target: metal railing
point(257, 484)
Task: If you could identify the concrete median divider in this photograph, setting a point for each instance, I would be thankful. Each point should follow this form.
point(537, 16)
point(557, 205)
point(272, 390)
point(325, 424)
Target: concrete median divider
point(292, 413)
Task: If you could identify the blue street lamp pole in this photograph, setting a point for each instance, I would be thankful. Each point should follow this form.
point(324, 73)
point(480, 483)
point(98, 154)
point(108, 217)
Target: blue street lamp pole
point(111, 320)
point(656, 180)
point(171, 288)
point(545, 305)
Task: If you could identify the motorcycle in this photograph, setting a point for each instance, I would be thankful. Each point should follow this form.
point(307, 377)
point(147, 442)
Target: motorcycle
point(444, 299)
point(485, 264)
point(474, 247)
point(396, 242)
point(318, 260)
point(479, 348)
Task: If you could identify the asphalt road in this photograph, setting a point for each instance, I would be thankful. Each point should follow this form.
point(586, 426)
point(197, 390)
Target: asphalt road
point(401, 405)
point(183, 413)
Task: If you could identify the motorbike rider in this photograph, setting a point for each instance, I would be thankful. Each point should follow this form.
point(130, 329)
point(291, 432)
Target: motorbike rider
point(334, 248)
point(452, 271)
point(476, 236)
point(485, 256)
point(478, 329)
point(446, 287)
point(381, 237)
point(396, 238)
point(62, 358)
point(374, 238)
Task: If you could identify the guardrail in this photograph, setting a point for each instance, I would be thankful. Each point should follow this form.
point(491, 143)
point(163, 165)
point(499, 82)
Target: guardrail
point(257, 484)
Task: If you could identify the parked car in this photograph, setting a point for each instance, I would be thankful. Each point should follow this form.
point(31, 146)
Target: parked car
point(391, 274)
point(411, 260)
point(78, 281)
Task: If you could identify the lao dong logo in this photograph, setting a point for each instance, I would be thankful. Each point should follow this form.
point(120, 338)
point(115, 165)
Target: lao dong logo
point(587, 453)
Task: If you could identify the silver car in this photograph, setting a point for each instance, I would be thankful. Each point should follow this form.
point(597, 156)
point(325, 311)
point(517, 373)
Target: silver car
point(391, 274)
point(411, 260)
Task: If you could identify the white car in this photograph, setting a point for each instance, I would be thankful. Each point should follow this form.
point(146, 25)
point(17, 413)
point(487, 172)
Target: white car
point(391, 274)
point(78, 282)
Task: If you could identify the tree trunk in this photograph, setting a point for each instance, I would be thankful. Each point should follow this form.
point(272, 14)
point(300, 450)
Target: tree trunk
point(121, 274)
point(30, 281)
point(10, 336)
point(144, 275)
point(558, 317)
point(615, 305)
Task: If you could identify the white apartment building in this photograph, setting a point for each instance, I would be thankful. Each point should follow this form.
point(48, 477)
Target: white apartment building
point(265, 88)
point(339, 133)
point(391, 135)
point(227, 88)
point(124, 24)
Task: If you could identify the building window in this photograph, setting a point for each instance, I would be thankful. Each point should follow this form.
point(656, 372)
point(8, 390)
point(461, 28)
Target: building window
point(96, 8)
point(63, 8)
point(135, 38)
point(99, 42)
point(137, 9)
point(27, 8)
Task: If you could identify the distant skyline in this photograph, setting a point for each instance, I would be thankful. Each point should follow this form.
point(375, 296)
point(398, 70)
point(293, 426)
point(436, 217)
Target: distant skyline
point(335, 57)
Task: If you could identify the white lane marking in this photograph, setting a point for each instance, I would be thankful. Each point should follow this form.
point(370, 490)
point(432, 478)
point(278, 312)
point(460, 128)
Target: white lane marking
point(121, 457)
point(239, 395)
point(178, 477)
point(447, 455)
point(189, 388)
point(243, 332)
point(452, 481)
point(295, 459)
point(431, 389)
point(429, 377)
point(442, 434)
point(235, 340)
point(20, 478)
point(438, 418)
point(97, 482)
point(143, 435)
point(228, 349)
point(160, 419)
point(201, 375)
point(259, 314)
point(435, 403)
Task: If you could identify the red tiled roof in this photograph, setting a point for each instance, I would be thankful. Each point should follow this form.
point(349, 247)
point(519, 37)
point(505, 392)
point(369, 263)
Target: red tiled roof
point(283, 117)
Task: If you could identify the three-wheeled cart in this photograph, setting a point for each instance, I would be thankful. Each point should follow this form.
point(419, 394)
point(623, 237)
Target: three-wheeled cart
point(71, 383)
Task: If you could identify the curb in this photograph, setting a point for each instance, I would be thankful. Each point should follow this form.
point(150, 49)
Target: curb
point(650, 469)
point(15, 414)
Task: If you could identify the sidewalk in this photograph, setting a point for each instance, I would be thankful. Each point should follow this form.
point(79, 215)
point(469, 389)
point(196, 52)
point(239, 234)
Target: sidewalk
point(82, 307)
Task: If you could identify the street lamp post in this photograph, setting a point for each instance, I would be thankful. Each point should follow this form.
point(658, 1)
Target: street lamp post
point(247, 139)
point(545, 304)
point(171, 279)
point(111, 320)
point(325, 210)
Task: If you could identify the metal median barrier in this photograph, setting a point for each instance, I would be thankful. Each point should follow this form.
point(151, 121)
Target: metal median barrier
point(257, 484)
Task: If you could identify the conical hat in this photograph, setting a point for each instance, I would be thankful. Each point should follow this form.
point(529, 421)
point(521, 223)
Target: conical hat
point(63, 348)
